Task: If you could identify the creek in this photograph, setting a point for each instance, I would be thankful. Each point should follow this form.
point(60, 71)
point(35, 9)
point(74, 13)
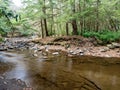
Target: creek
point(60, 72)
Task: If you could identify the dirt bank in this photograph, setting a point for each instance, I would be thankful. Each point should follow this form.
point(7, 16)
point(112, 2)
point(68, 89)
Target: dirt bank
point(73, 45)
point(77, 45)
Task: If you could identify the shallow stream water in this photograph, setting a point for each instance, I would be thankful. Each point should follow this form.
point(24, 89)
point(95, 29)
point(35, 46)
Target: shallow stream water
point(60, 72)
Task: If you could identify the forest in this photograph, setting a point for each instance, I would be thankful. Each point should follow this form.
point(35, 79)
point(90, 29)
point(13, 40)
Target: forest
point(59, 44)
point(88, 18)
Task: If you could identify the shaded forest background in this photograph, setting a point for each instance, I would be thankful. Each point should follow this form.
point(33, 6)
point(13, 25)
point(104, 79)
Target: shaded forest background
point(89, 18)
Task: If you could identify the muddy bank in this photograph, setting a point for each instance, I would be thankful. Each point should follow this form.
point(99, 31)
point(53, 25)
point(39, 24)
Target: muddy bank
point(77, 45)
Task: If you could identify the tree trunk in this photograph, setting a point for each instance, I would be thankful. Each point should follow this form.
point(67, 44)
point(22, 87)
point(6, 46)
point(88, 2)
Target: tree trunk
point(74, 26)
point(67, 33)
point(52, 18)
point(45, 21)
point(42, 30)
point(46, 30)
point(74, 23)
point(97, 16)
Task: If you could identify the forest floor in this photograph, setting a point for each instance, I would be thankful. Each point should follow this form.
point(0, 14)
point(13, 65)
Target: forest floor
point(77, 45)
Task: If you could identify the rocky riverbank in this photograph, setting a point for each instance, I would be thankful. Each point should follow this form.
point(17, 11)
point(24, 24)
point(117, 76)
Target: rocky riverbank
point(72, 45)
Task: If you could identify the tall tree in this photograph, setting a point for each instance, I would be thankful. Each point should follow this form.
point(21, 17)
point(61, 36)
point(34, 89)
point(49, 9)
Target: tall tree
point(45, 20)
point(84, 15)
point(74, 22)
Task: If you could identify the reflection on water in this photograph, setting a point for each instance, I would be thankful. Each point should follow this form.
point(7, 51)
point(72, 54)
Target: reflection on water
point(61, 72)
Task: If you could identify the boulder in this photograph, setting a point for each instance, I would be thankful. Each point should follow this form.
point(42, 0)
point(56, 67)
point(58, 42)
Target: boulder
point(45, 57)
point(67, 46)
point(11, 47)
point(81, 54)
point(80, 51)
point(110, 46)
point(104, 49)
point(116, 45)
point(35, 55)
point(44, 54)
point(74, 53)
point(55, 53)
point(70, 51)
point(3, 49)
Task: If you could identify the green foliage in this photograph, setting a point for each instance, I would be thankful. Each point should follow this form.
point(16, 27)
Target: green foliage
point(105, 36)
point(89, 14)
point(3, 33)
point(24, 31)
point(1, 39)
point(6, 15)
point(92, 17)
point(91, 34)
point(4, 27)
point(24, 27)
point(110, 36)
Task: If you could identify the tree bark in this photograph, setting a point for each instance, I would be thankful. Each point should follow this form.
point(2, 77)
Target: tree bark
point(52, 18)
point(74, 26)
point(67, 33)
point(45, 20)
point(74, 23)
point(42, 30)
point(46, 30)
point(97, 16)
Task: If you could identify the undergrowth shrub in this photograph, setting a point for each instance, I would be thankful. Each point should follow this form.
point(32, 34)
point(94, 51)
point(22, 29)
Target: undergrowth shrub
point(105, 36)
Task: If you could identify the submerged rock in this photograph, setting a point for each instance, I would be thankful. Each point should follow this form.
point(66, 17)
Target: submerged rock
point(44, 54)
point(45, 57)
point(81, 54)
point(12, 84)
point(35, 55)
point(55, 53)
point(70, 51)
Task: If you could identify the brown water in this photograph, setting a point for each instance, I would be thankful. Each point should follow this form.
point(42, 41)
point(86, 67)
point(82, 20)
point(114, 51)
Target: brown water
point(59, 72)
